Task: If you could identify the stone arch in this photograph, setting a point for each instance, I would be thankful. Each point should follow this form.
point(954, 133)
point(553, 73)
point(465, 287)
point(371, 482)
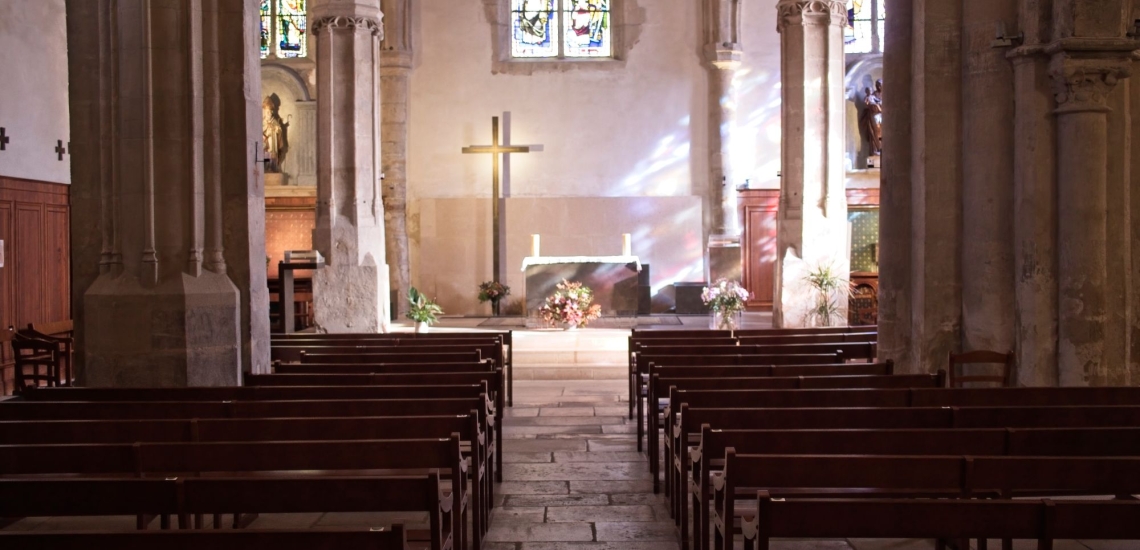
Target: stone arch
point(299, 110)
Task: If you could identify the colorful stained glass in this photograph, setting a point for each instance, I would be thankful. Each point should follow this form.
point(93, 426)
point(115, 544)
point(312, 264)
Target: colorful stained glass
point(586, 28)
point(534, 28)
point(292, 24)
point(857, 36)
point(265, 28)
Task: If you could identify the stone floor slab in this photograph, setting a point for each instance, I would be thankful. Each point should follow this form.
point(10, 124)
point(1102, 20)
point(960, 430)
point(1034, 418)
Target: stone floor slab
point(619, 445)
point(566, 420)
point(599, 513)
point(543, 446)
point(519, 514)
point(540, 532)
point(557, 500)
point(656, 545)
point(611, 487)
point(600, 456)
point(636, 531)
point(566, 411)
point(521, 458)
point(576, 471)
point(532, 487)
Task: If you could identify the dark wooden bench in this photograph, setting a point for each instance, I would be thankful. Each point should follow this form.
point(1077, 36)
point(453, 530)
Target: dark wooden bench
point(659, 387)
point(194, 497)
point(250, 393)
point(695, 357)
point(506, 336)
point(290, 352)
point(394, 357)
point(391, 538)
point(708, 455)
point(227, 459)
point(1045, 521)
point(800, 476)
point(469, 427)
point(126, 410)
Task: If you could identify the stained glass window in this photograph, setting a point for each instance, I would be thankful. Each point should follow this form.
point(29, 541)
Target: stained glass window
point(560, 28)
point(291, 27)
point(283, 27)
point(866, 25)
point(266, 28)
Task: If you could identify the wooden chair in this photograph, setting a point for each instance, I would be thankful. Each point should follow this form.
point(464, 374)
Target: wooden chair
point(37, 360)
point(957, 378)
point(62, 332)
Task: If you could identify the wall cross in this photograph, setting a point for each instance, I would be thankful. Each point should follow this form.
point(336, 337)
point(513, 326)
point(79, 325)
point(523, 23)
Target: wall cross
point(3, 139)
point(59, 149)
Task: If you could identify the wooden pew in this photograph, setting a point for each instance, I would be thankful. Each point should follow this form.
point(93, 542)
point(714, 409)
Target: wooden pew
point(393, 357)
point(506, 336)
point(663, 386)
point(392, 538)
point(290, 352)
point(252, 393)
point(882, 398)
point(1044, 521)
point(694, 420)
point(126, 410)
point(641, 375)
point(800, 476)
point(227, 459)
point(193, 497)
point(708, 455)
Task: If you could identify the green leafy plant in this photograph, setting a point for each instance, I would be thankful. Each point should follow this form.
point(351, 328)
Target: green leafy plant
point(421, 308)
point(832, 291)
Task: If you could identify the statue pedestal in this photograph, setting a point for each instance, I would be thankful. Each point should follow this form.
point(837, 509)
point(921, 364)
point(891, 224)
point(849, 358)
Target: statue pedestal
point(274, 180)
point(724, 259)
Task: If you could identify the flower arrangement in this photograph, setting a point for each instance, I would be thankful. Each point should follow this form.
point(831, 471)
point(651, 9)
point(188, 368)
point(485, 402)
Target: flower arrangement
point(570, 304)
point(493, 291)
point(725, 298)
point(422, 309)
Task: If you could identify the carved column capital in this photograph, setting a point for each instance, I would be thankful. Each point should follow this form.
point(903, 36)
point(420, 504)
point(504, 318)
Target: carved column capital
point(810, 12)
point(1083, 83)
point(725, 57)
point(334, 22)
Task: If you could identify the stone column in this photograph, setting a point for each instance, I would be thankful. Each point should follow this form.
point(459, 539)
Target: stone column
point(1034, 213)
point(987, 179)
point(1118, 231)
point(1082, 82)
point(936, 181)
point(303, 155)
point(813, 202)
point(895, 189)
point(395, 71)
point(724, 53)
point(351, 293)
point(167, 208)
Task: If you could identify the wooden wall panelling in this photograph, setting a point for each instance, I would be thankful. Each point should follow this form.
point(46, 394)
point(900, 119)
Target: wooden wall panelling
point(35, 282)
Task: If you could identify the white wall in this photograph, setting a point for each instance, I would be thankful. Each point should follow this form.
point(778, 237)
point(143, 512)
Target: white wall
point(33, 89)
point(632, 130)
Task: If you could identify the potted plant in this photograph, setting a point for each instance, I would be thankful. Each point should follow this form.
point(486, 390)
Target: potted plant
point(832, 291)
point(570, 305)
point(493, 291)
point(726, 300)
point(422, 310)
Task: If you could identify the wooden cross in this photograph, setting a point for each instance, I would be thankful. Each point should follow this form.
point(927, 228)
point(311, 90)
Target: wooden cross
point(59, 149)
point(495, 149)
point(3, 139)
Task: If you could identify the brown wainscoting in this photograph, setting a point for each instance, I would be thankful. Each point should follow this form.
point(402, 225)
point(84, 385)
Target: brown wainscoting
point(35, 282)
point(289, 223)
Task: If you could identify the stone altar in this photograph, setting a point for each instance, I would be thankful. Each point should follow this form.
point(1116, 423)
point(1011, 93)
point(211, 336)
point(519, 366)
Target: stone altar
point(614, 280)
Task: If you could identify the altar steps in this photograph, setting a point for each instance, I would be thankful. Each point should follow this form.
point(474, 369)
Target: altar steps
point(584, 354)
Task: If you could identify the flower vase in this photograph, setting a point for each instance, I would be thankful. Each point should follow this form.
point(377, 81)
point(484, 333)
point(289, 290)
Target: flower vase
point(422, 327)
point(494, 308)
point(731, 320)
point(571, 326)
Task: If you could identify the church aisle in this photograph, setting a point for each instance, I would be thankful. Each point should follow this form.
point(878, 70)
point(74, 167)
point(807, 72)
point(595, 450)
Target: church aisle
point(573, 478)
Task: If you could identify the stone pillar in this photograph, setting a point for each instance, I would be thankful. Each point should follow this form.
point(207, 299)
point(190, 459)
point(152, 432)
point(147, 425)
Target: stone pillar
point(895, 189)
point(303, 155)
point(1118, 231)
point(395, 71)
point(936, 180)
point(724, 53)
point(167, 207)
point(813, 203)
point(351, 293)
point(987, 179)
point(1082, 83)
point(1034, 211)
point(1134, 231)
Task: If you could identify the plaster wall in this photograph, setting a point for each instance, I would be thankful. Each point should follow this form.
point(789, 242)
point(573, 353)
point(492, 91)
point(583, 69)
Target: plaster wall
point(451, 241)
point(624, 134)
point(33, 85)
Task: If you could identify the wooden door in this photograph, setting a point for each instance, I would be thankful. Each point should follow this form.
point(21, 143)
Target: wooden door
point(759, 210)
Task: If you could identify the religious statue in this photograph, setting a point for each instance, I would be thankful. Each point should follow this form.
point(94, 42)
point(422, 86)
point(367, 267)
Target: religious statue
point(873, 117)
point(534, 20)
point(275, 134)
